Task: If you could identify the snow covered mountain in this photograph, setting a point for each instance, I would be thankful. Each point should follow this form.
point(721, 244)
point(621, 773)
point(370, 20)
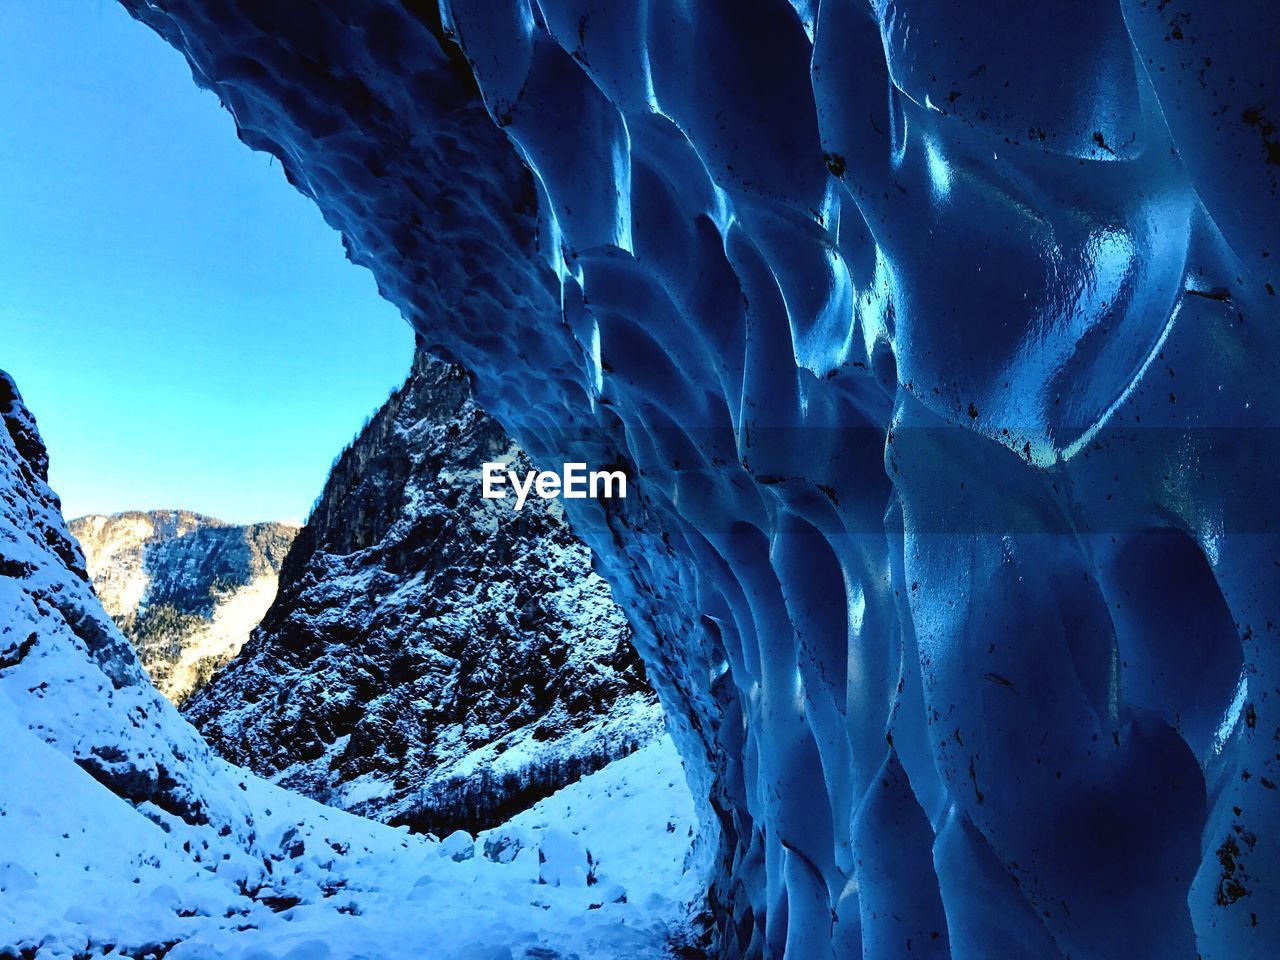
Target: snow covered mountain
point(186, 589)
point(122, 834)
point(432, 658)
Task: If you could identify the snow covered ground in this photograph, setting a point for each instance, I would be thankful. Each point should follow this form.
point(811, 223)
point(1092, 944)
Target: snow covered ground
point(81, 872)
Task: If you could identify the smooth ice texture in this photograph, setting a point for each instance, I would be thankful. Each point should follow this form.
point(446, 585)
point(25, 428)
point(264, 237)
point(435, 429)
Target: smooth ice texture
point(938, 341)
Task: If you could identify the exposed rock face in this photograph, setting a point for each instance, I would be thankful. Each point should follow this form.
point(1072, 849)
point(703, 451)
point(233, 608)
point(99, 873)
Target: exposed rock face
point(940, 342)
point(185, 589)
point(433, 658)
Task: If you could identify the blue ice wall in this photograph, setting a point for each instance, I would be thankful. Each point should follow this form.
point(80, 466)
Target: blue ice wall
point(939, 340)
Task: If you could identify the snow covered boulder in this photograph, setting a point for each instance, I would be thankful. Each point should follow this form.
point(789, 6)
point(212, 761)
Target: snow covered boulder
point(15, 878)
point(608, 893)
point(458, 846)
point(564, 861)
point(309, 950)
point(506, 843)
point(422, 888)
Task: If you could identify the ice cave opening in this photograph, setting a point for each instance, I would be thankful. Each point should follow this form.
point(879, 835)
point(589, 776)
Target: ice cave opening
point(449, 676)
point(937, 344)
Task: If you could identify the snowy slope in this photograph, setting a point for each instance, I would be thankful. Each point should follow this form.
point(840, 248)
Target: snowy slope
point(184, 588)
point(432, 658)
point(88, 870)
point(89, 873)
point(106, 794)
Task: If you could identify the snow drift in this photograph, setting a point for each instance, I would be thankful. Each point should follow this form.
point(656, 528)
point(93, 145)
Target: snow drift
point(937, 341)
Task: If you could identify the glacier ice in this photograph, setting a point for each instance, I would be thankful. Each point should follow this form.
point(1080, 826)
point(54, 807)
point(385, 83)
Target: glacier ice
point(939, 342)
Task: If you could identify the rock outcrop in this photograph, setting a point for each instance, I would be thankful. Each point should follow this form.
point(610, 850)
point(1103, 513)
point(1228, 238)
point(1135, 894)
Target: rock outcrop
point(185, 589)
point(938, 340)
point(433, 658)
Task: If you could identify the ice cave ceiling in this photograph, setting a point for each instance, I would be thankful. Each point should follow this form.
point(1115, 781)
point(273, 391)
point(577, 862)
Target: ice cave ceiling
point(939, 341)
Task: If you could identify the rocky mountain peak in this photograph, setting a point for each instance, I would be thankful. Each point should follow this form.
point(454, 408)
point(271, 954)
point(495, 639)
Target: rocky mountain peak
point(185, 588)
point(432, 658)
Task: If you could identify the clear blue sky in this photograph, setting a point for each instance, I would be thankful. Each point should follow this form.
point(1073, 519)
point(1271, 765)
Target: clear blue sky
point(182, 322)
